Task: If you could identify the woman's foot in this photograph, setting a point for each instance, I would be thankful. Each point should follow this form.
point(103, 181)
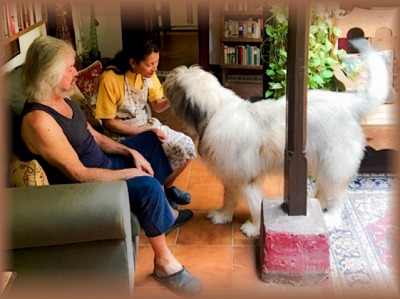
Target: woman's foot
point(181, 282)
point(177, 196)
point(182, 217)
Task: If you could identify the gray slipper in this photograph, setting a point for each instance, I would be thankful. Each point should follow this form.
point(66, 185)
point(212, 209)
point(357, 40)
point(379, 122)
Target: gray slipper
point(181, 282)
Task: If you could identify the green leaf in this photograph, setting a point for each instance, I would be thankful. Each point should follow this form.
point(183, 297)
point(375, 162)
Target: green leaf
point(270, 72)
point(318, 79)
point(268, 93)
point(281, 72)
point(326, 74)
point(283, 53)
point(276, 86)
point(315, 62)
point(341, 53)
point(283, 29)
point(313, 29)
point(336, 31)
point(269, 30)
point(331, 61)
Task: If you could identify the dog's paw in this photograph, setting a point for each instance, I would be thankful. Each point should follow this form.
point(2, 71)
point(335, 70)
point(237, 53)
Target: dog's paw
point(250, 230)
point(219, 216)
point(332, 218)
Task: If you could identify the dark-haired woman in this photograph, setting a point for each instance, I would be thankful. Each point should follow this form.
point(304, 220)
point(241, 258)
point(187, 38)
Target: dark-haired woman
point(126, 85)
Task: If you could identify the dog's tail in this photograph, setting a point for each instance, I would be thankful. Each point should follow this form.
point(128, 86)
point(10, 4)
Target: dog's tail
point(377, 88)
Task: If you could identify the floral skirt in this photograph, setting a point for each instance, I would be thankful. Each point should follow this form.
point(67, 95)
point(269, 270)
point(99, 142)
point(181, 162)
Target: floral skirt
point(179, 148)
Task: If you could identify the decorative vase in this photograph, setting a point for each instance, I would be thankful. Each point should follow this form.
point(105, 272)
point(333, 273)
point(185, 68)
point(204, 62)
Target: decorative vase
point(94, 53)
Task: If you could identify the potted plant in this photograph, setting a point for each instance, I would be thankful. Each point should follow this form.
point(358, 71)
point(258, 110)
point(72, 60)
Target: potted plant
point(323, 56)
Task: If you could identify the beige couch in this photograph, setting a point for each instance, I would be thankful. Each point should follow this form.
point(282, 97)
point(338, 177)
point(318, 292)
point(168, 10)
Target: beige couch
point(63, 232)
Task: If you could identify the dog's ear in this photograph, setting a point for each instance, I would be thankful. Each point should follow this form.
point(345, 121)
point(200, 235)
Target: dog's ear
point(187, 109)
point(197, 115)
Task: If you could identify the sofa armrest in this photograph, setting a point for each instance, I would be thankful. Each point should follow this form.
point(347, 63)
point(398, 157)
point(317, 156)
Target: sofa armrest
point(71, 213)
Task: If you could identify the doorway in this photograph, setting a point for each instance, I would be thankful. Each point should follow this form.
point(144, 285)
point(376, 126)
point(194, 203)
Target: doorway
point(172, 24)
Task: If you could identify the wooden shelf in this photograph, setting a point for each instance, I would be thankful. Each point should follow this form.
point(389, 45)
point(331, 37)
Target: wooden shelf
point(242, 13)
point(244, 52)
point(20, 33)
point(24, 15)
point(242, 66)
point(241, 40)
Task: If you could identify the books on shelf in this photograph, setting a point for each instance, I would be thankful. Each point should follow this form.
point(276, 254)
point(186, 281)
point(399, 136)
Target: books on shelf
point(242, 55)
point(248, 28)
point(244, 5)
point(19, 15)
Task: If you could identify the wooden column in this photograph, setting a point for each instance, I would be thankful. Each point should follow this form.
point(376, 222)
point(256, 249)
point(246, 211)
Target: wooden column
point(295, 186)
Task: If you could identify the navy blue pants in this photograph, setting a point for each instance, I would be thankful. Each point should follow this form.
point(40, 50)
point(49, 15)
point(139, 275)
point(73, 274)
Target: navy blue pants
point(146, 194)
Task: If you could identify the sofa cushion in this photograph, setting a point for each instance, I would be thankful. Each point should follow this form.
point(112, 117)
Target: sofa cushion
point(87, 83)
point(28, 173)
point(14, 94)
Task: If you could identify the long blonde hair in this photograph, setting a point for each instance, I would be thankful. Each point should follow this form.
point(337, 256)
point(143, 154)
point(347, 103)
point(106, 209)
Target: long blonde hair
point(44, 66)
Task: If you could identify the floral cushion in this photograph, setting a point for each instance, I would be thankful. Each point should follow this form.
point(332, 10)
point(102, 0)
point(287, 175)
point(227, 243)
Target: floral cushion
point(26, 173)
point(87, 82)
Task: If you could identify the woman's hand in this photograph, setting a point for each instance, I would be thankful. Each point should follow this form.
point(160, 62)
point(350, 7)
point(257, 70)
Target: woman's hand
point(160, 134)
point(141, 163)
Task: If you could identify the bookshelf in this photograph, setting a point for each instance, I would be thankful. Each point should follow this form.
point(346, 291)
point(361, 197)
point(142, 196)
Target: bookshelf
point(242, 31)
point(18, 18)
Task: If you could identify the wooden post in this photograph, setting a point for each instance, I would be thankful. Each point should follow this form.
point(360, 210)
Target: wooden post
point(295, 186)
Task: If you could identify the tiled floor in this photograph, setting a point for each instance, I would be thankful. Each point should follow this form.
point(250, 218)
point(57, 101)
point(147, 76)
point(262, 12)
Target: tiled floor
point(220, 255)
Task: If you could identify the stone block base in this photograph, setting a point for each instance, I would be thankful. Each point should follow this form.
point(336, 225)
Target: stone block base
point(293, 249)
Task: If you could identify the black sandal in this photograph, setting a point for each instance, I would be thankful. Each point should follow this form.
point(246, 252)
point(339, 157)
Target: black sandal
point(183, 217)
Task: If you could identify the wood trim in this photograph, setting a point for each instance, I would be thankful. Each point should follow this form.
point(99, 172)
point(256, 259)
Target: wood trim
point(9, 51)
point(295, 168)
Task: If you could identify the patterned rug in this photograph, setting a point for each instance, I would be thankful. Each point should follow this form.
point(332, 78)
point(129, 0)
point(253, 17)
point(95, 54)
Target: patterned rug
point(363, 246)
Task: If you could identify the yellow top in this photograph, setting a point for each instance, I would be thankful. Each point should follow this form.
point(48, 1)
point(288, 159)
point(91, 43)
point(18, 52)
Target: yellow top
point(112, 91)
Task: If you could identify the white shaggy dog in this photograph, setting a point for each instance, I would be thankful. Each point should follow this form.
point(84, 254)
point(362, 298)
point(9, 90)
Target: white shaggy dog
point(242, 141)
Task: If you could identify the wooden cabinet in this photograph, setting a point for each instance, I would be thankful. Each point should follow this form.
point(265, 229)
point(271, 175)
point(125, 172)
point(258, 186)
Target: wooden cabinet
point(242, 32)
point(183, 14)
point(380, 127)
point(18, 18)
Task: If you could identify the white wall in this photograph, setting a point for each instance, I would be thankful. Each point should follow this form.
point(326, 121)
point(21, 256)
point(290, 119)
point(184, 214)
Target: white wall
point(24, 43)
point(109, 34)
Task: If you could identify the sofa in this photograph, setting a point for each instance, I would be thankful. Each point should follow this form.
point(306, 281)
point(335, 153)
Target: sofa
point(73, 232)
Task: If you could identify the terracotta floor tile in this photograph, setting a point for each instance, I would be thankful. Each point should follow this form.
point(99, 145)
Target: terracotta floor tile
point(205, 198)
point(211, 264)
point(182, 180)
point(201, 176)
point(144, 268)
point(149, 293)
point(245, 273)
point(241, 206)
point(201, 231)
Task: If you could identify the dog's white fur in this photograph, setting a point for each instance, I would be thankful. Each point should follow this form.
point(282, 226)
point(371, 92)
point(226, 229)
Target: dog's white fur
point(242, 141)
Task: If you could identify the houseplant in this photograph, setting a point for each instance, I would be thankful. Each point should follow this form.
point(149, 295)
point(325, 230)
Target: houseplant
point(322, 53)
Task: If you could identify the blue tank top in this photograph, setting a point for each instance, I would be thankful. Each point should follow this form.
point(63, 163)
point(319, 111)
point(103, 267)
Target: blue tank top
point(75, 129)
